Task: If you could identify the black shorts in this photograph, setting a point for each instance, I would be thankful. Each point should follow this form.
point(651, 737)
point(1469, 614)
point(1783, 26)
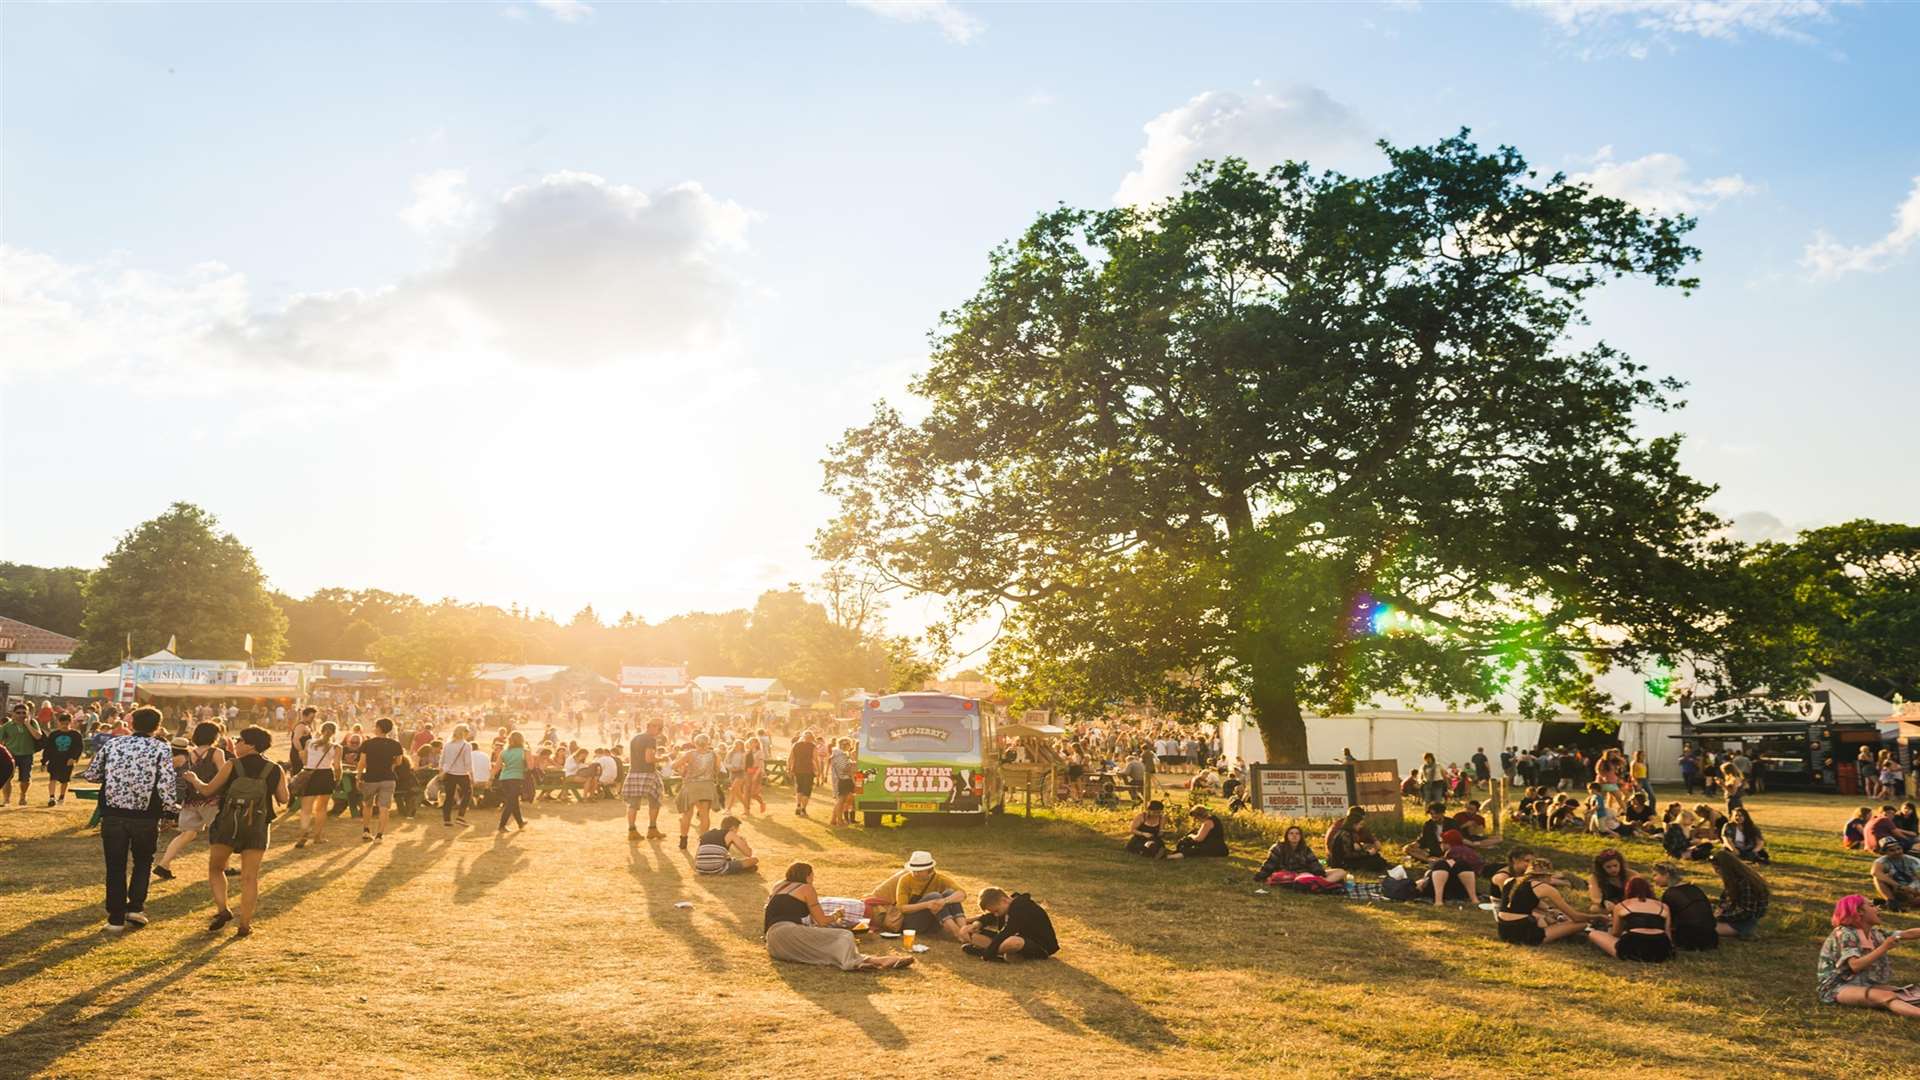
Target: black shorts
point(1646, 948)
point(23, 767)
point(843, 788)
point(59, 770)
point(1525, 931)
point(803, 783)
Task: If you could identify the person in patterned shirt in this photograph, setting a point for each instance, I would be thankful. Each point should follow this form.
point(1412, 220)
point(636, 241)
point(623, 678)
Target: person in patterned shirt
point(137, 784)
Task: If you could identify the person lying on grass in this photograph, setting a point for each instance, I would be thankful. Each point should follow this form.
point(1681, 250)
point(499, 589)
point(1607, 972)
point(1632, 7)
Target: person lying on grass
point(1642, 927)
point(1533, 912)
point(1010, 925)
point(1854, 968)
point(1453, 874)
point(1896, 876)
point(1293, 855)
point(1207, 840)
point(799, 932)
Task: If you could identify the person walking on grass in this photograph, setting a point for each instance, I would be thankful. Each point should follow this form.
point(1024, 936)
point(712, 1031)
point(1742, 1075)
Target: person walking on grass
point(319, 775)
point(510, 780)
point(248, 786)
point(378, 779)
point(699, 772)
point(642, 784)
point(841, 766)
point(758, 749)
point(60, 748)
point(800, 768)
point(204, 759)
point(137, 785)
point(456, 776)
point(21, 736)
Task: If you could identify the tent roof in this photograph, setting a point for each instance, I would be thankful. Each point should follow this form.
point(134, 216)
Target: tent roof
point(745, 684)
point(530, 672)
point(28, 638)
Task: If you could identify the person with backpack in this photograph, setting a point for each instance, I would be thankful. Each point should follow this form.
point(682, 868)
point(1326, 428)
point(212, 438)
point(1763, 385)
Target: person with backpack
point(248, 786)
point(204, 759)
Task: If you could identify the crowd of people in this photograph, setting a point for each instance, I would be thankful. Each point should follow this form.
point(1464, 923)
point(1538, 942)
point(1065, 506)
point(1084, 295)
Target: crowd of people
point(229, 785)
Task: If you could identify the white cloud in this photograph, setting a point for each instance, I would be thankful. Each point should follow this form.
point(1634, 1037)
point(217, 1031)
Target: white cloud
point(1725, 20)
point(571, 270)
point(1827, 257)
point(1661, 183)
point(1301, 123)
point(1758, 526)
point(959, 26)
point(566, 11)
point(440, 202)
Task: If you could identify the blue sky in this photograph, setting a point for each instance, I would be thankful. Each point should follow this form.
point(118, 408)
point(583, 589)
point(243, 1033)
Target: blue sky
point(561, 303)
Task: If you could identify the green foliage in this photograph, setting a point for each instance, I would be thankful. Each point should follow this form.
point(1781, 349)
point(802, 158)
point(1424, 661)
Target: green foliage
point(176, 576)
point(1846, 598)
point(1190, 451)
point(51, 598)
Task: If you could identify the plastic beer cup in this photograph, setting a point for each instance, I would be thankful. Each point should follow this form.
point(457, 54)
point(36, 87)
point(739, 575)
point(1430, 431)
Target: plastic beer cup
point(906, 938)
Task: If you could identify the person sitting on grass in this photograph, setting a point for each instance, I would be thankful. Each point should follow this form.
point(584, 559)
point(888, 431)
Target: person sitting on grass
point(1704, 835)
point(1896, 876)
point(1854, 968)
point(1599, 814)
point(1453, 873)
point(1642, 926)
point(1010, 925)
point(1886, 823)
point(715, 855)
point(1638, 819)
point(1207, 840)
point(1853, 835)
point(1428, 845)
point(799, 932)
point(926, 901)
point(1907, 818)
point(1144, 838)
point(1351, 846)
point(1532, 910)
point(1563, 812)
point(1744, 896)
point(1742, 837)
point(1693, 920)
point(1293, 855)
point(1609, 884)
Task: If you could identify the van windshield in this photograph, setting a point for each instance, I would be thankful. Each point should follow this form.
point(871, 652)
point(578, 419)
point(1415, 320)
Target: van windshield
point(918, 732)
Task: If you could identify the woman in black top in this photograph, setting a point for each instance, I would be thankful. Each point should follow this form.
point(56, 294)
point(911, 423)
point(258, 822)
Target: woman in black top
point(1642, 927)
point(1742, 837)
point(1145, 837)
point(1350, 846)
point(1691, 913)
point(1207, 840)
point(1294, 856)
point(1609, 884)
point(1532, 911)
point(798, 932)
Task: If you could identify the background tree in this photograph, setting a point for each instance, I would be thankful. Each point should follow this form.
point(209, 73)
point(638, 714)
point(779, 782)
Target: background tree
point(51, 598)
point(1845, 599)
point(1289, 440)
point(177, 576)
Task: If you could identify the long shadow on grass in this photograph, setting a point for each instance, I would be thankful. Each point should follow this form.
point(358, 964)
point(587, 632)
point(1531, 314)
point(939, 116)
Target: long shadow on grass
point(406, 861)
point(1103, 1008)
point(658, 873)
point(62, 1029)
point(473, 880)
point(847, 995)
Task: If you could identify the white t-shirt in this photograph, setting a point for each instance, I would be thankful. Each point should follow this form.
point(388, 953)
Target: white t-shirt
point(609, 768)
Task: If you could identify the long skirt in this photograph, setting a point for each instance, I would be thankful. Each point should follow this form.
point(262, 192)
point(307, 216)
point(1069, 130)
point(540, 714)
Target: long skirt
point(824, 946)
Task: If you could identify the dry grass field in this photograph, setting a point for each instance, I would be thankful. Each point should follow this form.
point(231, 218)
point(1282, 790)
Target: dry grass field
point(560, 952)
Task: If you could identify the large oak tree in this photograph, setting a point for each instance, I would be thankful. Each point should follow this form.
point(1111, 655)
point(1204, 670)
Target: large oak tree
point(1291, 439)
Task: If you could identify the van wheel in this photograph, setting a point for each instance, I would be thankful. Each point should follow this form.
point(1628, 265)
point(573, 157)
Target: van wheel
point(871, 819)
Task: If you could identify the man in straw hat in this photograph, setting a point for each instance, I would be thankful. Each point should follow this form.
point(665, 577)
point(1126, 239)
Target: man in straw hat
point(926, 900)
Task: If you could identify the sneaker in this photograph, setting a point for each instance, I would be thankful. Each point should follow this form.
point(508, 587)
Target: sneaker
point(116, 928)
point(973, 950)
point(136, 918)
point(366, 838)
point(993, 958)
point(233, 871)
point(162, 873)
point(49, 800)
point(683, 841)
point(379, 836)
point(220, 919)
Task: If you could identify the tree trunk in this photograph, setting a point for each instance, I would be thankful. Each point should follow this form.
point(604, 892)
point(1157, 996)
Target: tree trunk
point(1276, 709)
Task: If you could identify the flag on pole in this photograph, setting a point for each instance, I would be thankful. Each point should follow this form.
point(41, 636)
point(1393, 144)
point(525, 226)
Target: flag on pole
point(129, 653)
point(249, 645)
point(171, 647)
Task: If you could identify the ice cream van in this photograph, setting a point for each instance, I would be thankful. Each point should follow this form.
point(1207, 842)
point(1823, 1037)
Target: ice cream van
point(925, 754)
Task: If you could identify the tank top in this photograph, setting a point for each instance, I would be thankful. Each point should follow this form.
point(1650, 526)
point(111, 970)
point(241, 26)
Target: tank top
point(320, 756)
point(1643, 920)
point(702, 765)
point(784, 907)
point(1519, 898)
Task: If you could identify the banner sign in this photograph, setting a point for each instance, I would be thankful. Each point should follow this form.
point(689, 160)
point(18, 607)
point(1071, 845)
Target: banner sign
point(1376, 787)
point(1302, 791)
point(190, 674)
